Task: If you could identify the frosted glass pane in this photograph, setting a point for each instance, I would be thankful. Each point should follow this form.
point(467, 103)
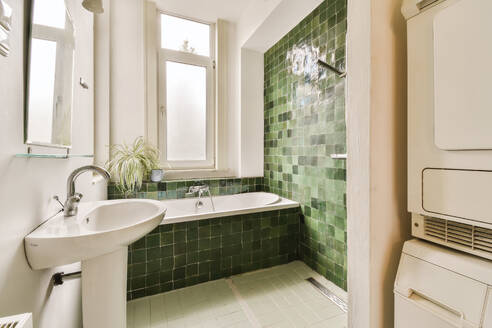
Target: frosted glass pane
point(185, 35)
point(49, 13)
point(186, 112)
point(41, 90)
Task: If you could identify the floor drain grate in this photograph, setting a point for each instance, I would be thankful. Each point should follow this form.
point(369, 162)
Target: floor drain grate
point(332, 297)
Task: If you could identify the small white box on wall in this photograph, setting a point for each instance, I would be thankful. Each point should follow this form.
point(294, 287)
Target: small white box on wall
point(5, 27)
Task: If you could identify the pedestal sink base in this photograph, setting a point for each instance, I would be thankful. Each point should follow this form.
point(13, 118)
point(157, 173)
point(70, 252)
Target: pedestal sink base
point(104, 290)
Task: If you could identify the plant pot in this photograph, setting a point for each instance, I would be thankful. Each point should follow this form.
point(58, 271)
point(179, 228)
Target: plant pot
point(156, 175)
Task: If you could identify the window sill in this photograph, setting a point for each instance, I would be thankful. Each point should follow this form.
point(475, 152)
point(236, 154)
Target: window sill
point(196, 174)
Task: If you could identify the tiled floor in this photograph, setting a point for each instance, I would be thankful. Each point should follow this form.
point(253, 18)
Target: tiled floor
point(276, 297)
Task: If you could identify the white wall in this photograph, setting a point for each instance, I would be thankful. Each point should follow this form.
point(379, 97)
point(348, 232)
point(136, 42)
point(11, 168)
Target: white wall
point(102, 84)
point(267, 22)
point(252, 113)
point(127, 70)
point(27, 185)
point(376, 175)
point(228, 94)
point(253, 17)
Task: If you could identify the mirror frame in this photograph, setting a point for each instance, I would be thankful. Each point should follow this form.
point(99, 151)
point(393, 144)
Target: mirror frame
point(29, 15)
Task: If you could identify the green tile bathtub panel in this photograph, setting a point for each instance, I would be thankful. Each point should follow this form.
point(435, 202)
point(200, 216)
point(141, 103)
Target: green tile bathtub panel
point(177, 255)
point(304, 124)
point(178, 189)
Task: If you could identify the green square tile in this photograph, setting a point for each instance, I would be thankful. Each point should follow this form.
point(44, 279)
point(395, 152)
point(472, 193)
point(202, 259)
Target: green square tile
point(152, 240)
point(167, 238)
point(179, 261)
point(165, 276)
point(139, 256)
point(167, 263)
point(154, 266)
point(204, 232)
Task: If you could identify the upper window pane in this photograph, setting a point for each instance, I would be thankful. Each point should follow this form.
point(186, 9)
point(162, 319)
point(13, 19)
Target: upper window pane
point(49, 13)
point(185, 35)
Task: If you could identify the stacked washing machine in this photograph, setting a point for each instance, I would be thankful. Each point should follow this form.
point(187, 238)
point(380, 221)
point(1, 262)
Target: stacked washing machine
point(445, 275)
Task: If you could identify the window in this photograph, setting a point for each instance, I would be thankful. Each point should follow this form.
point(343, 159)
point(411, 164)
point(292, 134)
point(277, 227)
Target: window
point(186, 93)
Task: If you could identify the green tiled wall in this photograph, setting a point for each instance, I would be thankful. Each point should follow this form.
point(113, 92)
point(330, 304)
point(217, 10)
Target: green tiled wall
point(304, 124)
point(184, 254)
point(178, 189)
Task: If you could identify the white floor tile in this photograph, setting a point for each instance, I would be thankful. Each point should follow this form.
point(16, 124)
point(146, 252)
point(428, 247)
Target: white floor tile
point(242, 324)
point(277, 297)
point(339, 321)
point(271, 318)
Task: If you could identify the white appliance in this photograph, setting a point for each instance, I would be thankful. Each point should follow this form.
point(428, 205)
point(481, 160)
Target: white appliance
point(437, 287)
point(450, 122)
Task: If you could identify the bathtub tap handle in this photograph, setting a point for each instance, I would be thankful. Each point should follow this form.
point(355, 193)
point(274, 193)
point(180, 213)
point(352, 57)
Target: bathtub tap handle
point(201, 190)
point(194, 189)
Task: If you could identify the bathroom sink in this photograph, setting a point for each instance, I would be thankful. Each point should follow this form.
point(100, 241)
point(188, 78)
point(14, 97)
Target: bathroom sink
point(98, 236)
point(99, 228)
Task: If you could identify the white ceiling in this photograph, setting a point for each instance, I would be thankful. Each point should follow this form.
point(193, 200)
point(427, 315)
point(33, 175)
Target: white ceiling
point(207, 10)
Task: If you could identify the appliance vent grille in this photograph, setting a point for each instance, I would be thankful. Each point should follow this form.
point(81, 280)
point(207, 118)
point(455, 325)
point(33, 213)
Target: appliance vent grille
point(17, 321)
point(459, 234)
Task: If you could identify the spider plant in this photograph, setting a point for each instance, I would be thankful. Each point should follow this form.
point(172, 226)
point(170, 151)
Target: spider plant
point(129, 164)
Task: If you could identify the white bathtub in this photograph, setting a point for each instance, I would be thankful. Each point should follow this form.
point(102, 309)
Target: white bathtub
point(184, 210)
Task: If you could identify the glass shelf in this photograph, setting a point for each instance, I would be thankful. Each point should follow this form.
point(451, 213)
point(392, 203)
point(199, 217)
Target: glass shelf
point(57, 156)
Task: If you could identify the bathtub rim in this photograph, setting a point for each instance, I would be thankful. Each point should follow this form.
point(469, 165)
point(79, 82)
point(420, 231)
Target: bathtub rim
point(281, 204)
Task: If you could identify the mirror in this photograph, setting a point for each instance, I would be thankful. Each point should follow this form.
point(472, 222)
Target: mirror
point(49, 82)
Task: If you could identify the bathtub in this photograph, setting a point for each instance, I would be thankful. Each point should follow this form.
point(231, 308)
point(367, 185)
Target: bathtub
point(184, 210)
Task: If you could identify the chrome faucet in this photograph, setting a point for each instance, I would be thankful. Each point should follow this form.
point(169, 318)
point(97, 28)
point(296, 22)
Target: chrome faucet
point(71, 205)
point(198, 189)
point(201, 190)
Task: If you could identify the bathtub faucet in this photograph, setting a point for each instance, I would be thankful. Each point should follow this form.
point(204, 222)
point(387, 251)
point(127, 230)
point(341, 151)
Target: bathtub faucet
point(198, 189)
point(201, 190)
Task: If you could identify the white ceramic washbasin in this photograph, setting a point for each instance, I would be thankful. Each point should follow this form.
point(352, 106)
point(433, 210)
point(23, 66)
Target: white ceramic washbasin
point(98, 236)
point(99, 228)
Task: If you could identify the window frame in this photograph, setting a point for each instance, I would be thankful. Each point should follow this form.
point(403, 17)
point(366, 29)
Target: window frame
point(165, 55)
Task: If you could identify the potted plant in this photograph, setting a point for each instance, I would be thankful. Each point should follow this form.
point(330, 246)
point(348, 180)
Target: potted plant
point(130, 164)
